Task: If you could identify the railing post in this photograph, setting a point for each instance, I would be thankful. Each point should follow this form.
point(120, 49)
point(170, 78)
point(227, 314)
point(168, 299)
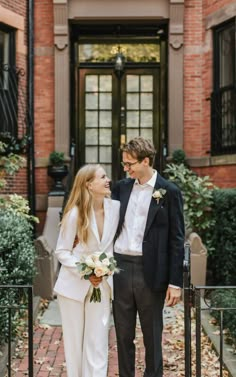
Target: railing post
point(12, 304)
point(198, 331)
point(187, 310)
point(30, 331)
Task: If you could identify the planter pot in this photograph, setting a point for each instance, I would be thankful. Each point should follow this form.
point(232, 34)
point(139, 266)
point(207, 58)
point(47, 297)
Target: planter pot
point(58, 173)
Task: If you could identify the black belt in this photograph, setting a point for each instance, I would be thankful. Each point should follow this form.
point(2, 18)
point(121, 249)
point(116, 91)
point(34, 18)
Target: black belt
point(128, 258)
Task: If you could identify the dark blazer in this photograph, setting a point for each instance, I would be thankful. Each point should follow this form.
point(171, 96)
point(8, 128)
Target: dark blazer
point(163, 242)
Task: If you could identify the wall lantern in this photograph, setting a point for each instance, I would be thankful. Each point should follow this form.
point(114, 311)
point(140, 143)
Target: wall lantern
point(119, 63)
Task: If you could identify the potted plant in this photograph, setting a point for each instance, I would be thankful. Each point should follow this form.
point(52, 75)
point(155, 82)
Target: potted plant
point(58, 171)
point(56, 158)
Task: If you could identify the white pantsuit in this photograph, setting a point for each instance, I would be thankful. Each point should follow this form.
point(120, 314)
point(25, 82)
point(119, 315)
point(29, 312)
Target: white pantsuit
point(85, 325)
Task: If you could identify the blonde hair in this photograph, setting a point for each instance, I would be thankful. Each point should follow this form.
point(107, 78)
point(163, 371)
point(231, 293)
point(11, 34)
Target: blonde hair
point(81, 197)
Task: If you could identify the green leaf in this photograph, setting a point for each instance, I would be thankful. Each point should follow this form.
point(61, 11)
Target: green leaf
point(102, 256)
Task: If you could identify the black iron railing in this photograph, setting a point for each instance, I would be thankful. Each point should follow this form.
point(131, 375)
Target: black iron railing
point(204, 301)
point(188, 302)
point(17, 299)
point(14, 115)
point(223, 121)
point(201, 299)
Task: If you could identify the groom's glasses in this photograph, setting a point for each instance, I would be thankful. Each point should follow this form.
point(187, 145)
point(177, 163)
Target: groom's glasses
point(128, 164)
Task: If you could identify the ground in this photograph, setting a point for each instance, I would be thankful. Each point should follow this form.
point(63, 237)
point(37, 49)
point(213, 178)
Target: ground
point(49, 353)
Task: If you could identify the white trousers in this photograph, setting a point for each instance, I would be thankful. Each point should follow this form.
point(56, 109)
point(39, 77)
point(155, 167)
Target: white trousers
point(85, 334)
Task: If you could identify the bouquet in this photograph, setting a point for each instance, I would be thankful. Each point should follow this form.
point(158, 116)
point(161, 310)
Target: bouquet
point(99, 264)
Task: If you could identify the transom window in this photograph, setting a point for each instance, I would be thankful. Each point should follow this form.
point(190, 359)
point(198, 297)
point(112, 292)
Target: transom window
point(106, 52)
point(224, 95)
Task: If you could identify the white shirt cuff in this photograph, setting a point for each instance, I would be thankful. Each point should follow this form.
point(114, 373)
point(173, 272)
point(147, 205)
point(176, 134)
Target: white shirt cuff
point(174, 286)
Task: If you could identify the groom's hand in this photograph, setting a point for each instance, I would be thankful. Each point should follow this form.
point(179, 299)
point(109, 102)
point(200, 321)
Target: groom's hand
point(173, 296)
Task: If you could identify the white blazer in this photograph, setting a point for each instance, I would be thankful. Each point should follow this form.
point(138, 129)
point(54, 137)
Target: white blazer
point(69, 283)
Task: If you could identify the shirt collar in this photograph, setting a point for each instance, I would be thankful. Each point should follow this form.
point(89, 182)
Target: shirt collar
point(151, 181)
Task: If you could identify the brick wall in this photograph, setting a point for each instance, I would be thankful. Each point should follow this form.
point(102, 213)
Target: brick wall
point(194, 128)
point(44, 100)
point(16, 6)
point(198, 85)
point(44, 88)
point(14, 14)
point(223, 176)
point(211, 6)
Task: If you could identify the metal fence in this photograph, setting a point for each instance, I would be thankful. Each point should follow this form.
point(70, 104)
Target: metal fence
point(202, 299)
point(15, 299)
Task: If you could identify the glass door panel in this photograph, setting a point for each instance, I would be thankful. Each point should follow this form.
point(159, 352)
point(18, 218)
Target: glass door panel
point(114, 110)
point(97, 124)
point(140, 92)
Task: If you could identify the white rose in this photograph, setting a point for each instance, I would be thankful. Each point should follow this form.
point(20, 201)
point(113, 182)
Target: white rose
point(89, 261)
point(157, 195)
point(101, 271)
point(95, 258)
point(105, 262)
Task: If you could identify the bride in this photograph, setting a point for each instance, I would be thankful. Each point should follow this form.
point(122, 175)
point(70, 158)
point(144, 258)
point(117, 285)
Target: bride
point(91, 217)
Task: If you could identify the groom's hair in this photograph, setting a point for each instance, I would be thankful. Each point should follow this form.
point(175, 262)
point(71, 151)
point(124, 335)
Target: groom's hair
point(140, 148)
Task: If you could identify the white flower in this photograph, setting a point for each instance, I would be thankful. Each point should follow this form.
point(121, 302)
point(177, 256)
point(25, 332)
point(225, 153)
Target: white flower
point(159, 194)
point(101, 271)
point(90, 262)
point(100, 264)
point(105, 262)
point(95, 257)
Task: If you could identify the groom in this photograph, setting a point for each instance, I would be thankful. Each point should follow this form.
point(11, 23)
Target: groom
point(149, 249)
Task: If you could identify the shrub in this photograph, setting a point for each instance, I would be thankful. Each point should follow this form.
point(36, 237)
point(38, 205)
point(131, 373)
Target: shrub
point(198, 200)
point(179, 157)
point(222, 261)
point(225, 298)
point(10, 163)
point(17, 261)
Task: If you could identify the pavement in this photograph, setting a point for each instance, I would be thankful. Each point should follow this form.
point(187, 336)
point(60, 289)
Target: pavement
point(49, 351)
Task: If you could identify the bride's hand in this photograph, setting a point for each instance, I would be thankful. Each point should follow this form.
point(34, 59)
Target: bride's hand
point(95, 280)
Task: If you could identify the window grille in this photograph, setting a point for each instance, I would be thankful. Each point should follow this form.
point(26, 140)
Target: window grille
point(223, 99)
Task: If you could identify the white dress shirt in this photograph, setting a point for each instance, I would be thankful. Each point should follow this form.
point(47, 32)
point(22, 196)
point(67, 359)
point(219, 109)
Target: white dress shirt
point(131, 238)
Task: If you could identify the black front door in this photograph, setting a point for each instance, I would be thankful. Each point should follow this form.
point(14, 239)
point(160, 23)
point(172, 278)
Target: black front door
point(113, 110)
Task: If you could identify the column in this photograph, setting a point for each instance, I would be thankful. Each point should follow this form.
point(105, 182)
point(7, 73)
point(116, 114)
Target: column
point(61, 43)
point(175, 75)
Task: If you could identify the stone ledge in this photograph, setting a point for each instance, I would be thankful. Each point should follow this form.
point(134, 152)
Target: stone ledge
point(211, 161)
point(229, 358)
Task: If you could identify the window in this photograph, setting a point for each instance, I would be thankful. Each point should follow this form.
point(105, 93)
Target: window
point(224, 95)
point(8, 82)
point(4, 47)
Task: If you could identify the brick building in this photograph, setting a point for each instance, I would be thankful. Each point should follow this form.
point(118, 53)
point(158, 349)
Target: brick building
point(16, 18)
point(105, 71)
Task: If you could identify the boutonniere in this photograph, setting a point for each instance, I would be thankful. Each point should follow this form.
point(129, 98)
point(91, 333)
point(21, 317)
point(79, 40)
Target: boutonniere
point(159, 194)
